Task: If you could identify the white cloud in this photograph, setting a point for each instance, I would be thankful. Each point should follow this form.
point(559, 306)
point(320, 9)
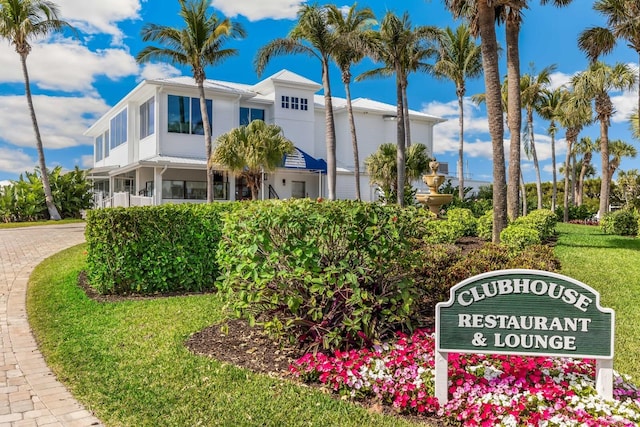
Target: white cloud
point(5, 182)
point(15, 161)
point(86, 161)
point(62, 120)
point(152, 71)
point(99, 17)
point(64, 64)
point(255, 11)
point(559, 79)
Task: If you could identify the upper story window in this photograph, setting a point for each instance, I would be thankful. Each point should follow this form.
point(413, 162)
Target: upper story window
point(285, 101)
point(119, 129)
point(184, 115)
point(247, 115)
point(147, 118)
point(99, 148)
point(295, 103)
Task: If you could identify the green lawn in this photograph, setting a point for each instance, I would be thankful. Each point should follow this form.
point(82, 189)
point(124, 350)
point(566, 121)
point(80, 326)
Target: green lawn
point(30, 224)
point(611, 265)
point(127, 362)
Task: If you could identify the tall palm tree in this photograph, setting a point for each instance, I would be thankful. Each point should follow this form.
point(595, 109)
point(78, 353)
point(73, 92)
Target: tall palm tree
point(635, 124)
point(619, 149)
point(594, 84)
point(532, 88)
point(402, 49)
point(549, 108)
point(482, 16)
point(586, 146)
point(251, 150)
point(459, 58)
point(623, 22)
point(351, 29)
point(198, 44)
point(311, 36)
point(21, 21)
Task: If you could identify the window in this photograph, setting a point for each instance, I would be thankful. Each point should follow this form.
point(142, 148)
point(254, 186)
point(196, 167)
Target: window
point(106, 144)
point(99, 148)
point(193, 190)
point(173, 189)
point(285, 101)
point(247, 115)
point(295, 103)
point(304, 104)
point(184, 115)
point(147, 118)
point(298, 189)
point(119, 129)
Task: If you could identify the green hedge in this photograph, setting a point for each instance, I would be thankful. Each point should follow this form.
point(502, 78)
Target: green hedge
point(332, 274)
point(622, 223)
point(542, 220)
point(155, 249)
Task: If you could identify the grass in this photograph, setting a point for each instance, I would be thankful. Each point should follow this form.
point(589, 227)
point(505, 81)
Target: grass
point(32, 223)
point(126, 361)
point(609, 264)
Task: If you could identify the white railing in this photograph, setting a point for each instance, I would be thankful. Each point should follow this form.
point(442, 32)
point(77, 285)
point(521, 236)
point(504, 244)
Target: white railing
point(122, 199)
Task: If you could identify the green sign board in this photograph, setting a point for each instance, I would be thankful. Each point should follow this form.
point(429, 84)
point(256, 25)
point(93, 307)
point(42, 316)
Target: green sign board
point(525, 312)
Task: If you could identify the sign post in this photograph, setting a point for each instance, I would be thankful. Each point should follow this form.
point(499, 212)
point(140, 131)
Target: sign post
point(524, 312)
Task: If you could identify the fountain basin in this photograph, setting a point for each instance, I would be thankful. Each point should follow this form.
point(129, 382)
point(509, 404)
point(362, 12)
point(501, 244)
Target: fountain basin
point(434, 201)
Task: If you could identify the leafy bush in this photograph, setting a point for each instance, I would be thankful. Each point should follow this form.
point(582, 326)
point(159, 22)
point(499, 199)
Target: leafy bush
point(582, 212)
point(622, 223)
point(154, 249)
point(519, 236)
point(462, 219)
point(441, 231)
point(542, 220)
point(485, 226)
point(331, 274)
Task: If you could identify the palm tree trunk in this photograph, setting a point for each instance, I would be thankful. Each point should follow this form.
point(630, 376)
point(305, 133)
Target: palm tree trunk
point(48, 197)
point(604, 156)
point(514, 114)
point(586, 161)
point(554, 190)
point(354, 137)
point(534, 155)
point(204, 113)
point(405, 109)
point(567, 165)
point(574, 178)
point(400, 142)
point(523, 190)
point(330, 131)
point(461, 147)
point(489, 47)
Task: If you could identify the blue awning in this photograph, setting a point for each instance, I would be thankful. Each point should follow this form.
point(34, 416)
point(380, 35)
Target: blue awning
point(301, 160)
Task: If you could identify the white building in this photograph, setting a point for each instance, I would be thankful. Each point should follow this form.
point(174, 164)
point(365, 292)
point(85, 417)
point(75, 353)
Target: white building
point(151, 142)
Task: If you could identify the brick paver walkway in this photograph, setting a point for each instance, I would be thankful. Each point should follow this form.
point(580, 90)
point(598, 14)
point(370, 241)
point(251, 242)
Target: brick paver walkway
point(30, 395)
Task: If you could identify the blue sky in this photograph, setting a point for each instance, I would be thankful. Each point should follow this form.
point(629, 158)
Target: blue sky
point(76, 79)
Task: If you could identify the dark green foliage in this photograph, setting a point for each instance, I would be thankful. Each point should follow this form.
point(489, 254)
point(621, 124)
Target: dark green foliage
point(582, 212)
point(154, 249)
point(478, 203)
point(23, 200)
point(331, 274)
point(622, 223)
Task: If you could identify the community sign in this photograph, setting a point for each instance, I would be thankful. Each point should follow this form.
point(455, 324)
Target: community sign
point(524, 312)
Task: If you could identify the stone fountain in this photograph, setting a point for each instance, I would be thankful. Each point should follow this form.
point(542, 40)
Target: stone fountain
point(434, 200)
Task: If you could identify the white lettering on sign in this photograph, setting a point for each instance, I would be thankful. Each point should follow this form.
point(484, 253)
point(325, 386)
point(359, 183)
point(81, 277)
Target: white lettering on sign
point(524, 286)
point(526, 323)
point(529, 341)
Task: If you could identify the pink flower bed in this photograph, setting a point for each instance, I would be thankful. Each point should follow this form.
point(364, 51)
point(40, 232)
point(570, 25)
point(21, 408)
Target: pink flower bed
point(484, 390)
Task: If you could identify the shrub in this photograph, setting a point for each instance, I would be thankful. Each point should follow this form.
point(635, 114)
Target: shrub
point(535, 257)
point(518, 236)
point(622, 223)
point(462, 220)
point(582, 212)
point(331, 274)
point(542, 220)
point(153, 249)
point(485, 226)
point(441, 231)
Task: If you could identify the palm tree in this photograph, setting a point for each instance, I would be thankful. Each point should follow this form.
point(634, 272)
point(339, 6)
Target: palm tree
point(532, 89)
point(586, 146)
point(629, 183)
point(351, 30)
point(635, 124)
point(594, 84)
point(459, 58)
point(623, 22)
point(312, 36)
point(252, 150)
point(482, 16)
point(382, 167)
point(549, 109)
point(619, 149)
point(198, 45)
point(402, 48)
point(21, 21)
